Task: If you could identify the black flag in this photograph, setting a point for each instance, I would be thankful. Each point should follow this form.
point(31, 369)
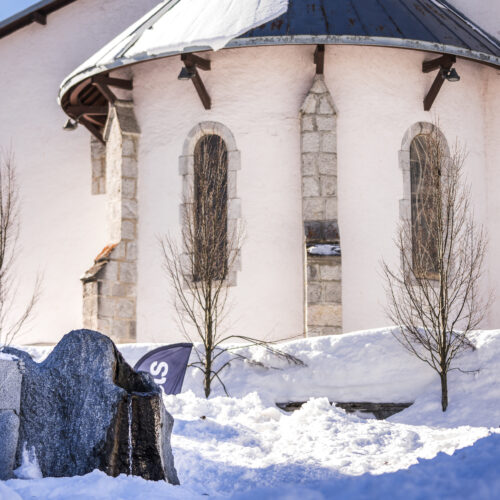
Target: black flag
point(167, 365)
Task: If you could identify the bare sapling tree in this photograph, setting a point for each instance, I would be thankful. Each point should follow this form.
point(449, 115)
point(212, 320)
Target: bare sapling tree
point(200, 265)
point(10, 323)
point(434, 294)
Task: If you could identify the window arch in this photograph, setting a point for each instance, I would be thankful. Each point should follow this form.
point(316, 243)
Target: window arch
point(424, 148)
point(211, 147)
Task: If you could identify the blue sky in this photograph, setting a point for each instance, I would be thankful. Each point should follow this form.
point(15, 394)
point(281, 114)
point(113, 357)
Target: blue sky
point(10, 7)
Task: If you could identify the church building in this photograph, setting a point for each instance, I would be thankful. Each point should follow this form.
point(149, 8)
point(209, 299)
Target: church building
point(317, 103)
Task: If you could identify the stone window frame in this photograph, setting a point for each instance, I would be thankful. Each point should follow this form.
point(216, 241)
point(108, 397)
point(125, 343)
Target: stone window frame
point(418, 128)
point(186, 170)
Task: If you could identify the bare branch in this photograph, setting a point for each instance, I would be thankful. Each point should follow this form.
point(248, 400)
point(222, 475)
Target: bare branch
point(434, 294)
point(11, 326)
point(200, 265)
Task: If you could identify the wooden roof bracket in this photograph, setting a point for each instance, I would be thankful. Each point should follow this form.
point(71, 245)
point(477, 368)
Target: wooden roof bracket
point(103, 82)
point(319, 59)
point(92, 129)
point(192, 62)
point(40, 17)
point(91, 116)
point(443, 64)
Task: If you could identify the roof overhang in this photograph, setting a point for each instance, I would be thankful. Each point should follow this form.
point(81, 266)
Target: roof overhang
point(460, 37)
point(36, 13)
point(400, 43)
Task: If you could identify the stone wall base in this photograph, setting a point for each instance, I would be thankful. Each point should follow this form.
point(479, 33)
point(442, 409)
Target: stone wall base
point(109, 293)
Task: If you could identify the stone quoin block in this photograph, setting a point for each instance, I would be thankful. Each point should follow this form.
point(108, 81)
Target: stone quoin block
point(331, 208)
point(328, 143)
point(314, 208)
point(310, 186)
point(309, 164)
point(329, 272)
point(328, 185)
point(311, 142)
point(325, 122)
point(325, 107)
point(332, 292)
point(327, 163)
point(309, 123)
point(310, 104)
point(128, 229)
point(313, 293)
point(324, 314)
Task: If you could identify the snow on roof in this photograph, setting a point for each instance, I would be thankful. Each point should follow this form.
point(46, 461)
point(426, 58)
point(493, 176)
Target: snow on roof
point(177, 26)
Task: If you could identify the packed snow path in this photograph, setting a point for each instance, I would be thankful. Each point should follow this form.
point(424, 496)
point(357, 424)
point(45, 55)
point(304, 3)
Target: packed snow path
point(239, 448)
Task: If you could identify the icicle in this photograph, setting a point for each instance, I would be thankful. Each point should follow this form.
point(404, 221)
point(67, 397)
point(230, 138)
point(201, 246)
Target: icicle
point(130, 435)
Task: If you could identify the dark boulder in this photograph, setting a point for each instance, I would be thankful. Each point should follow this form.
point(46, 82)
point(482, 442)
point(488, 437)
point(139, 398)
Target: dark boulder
point(85, 408)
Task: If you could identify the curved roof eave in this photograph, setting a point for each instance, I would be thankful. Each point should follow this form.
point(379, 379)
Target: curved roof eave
point(402, 43)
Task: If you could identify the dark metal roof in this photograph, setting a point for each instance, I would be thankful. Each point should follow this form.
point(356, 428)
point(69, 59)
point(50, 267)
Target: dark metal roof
point(30, 15)
point(419, 24)
point(426, 25)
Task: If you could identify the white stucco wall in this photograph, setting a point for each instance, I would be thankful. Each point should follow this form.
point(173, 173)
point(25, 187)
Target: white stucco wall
point(374, 112)
point(492, 138)
point(257, 97)
point(63, 226)
point(257, 93)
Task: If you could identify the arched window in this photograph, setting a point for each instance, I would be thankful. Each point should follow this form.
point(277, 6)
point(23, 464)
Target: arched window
point(209, 166)
point(425, 171)
point(210, 208)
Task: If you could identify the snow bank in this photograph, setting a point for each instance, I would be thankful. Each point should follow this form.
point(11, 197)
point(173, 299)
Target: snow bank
point(96, 486)
point(225, 445)
point(366, 366)
point(474, 393)
point(7, 493)
point(361, 366)
point(244, 447)
point(471, 473)
point(241, 448)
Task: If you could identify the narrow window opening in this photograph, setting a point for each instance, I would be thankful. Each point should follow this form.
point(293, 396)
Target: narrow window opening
point(210, 198)
point(425, 175)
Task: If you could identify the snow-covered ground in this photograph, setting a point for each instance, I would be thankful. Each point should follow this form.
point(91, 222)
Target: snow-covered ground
point(244, 447)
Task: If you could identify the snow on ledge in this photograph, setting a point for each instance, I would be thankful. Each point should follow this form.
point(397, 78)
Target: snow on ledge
point(7, 357)
point(324, 249)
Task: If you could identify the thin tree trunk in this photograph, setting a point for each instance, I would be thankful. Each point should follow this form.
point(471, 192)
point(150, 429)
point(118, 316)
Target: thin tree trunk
point(209, 342)
point(208, 373)
point(444, 390)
